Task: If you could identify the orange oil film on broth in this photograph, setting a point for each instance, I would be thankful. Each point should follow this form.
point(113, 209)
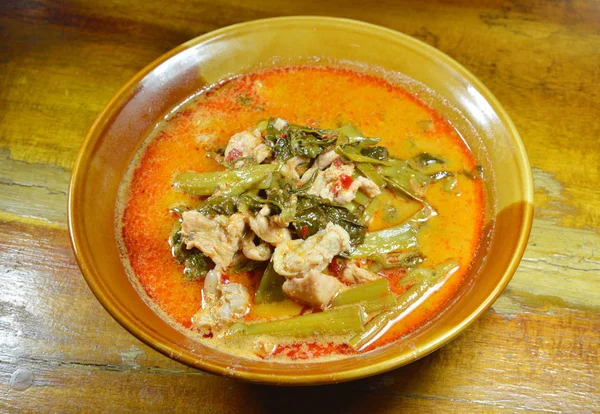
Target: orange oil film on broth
point(324, 97)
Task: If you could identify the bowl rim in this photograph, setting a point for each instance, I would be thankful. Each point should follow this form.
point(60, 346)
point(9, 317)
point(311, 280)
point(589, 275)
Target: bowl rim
point(84, 156)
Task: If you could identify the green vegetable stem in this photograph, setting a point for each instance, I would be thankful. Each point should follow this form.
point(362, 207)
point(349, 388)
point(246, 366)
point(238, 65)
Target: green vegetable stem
point(333, 322)
point(230, 182)
point(374, 296)
point(426, 282)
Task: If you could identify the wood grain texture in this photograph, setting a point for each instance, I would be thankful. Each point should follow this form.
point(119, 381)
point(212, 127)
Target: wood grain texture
point(535, 349)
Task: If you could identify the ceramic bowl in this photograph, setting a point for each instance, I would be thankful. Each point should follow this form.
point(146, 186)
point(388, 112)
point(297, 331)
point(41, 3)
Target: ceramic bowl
point(144, 100)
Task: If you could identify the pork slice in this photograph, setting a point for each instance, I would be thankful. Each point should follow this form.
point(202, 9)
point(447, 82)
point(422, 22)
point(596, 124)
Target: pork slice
point(355, 274)
point(246, 144)
point(331, 184)
point(234, 302)
point(266, 230)
point(295, 257)
point(218, 237)
point(314, 288)
point(229, 303)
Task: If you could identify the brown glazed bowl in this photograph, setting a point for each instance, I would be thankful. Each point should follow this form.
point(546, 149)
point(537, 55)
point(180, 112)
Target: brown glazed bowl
point(157, 89)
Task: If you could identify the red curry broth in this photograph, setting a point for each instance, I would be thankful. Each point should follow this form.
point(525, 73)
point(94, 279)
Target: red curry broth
point(326, 97)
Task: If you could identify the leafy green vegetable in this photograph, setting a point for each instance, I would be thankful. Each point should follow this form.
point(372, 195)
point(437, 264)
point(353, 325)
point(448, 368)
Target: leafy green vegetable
point(306, 186)
point(279, 144)
point(378, 153)
point(295, 140)
point(423, 160)
point(195, 263)
point(250, 201)
point(360, 149)
point(242, 264)
point(217, 205)
point(374, 327)
point(314, 213)
point(402, 176)
point(270, 289)
point(354, 154)
point(285, 202)
point(309, 142)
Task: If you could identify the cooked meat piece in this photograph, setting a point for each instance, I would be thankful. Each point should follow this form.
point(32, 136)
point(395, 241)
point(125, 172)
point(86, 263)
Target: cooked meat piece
point(205, 317)
point(354, 274)
point(267, 231)
point(335, 183)
point(234, 302)
point(279, 124)
point(246, 144)
point(321, 162)
point(314, 288)
point(368, 186)
point(325, 159)
point(327, 183)
point(294, 257)
point(278, 221)
point(230, 303)
point(259, 253)
point(218, 237)
point(288, 170)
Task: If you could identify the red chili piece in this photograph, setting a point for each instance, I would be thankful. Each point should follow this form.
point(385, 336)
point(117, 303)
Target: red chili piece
point(346, 181)
point(336, 266)
point(304, 232)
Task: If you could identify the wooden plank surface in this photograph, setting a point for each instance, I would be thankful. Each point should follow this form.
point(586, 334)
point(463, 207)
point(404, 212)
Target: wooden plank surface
point(535, 349)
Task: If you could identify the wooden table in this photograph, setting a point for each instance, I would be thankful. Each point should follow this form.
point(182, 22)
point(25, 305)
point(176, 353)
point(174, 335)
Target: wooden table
point(535, 349)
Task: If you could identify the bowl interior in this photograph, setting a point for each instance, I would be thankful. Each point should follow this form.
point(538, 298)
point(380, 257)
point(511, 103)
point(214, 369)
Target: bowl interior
point(126, 121)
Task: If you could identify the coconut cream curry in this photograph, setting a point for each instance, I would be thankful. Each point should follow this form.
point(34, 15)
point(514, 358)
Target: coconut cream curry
point(301, 213)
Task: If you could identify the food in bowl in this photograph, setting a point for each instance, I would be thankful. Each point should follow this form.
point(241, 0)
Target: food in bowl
point(301, 213)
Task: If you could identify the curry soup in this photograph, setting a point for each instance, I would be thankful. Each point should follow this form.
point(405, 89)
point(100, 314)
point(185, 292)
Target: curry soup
point(319, 103)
